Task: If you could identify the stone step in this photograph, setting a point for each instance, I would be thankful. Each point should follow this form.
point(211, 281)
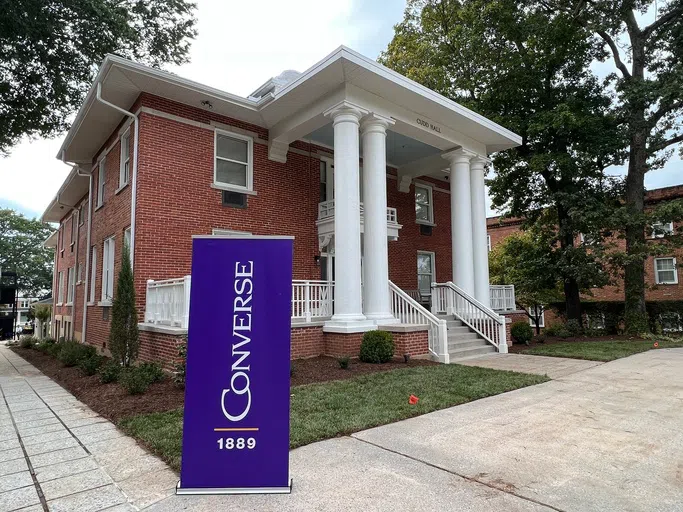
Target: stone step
point(456, 345)
point(463, 329)
point(466, 336)
point(459, 353)
point(453, 323)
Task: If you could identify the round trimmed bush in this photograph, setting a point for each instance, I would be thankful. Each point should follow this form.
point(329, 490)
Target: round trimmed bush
point(521, 332)
point(90, 365)
point(152, 371)
point(377, 347)
point(109, 372)
point(27, 342)
point(74, 352)
point(135, 380)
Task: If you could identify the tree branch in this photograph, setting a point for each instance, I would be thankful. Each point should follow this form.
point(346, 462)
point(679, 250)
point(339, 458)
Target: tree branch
point(666, 143)
point(674, 13)
point(615, 50)
point(664, 110)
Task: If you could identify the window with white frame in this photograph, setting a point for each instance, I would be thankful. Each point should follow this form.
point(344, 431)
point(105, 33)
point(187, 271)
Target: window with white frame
point(71, 285)
point(424, 207)
point(79, 276)
point(101, 180)
point(595, 320)
point(124, 171)
point(108, 270)
point(61, 237)
point(126, 241)
point(73, 231)
point(326, 180)
point(537, 311)
point(671, 321)
point(488, 242)
point(60, 289)
point(665, 271)
point(426, 274)
point(662, 229)
point(233, 163)
point(93, 273)
point(81, 217)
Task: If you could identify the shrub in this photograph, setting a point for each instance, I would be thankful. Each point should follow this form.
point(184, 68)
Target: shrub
point(54, 349)
point(152, 371)
point(180, 366)
point(90, 365)
point(377, 347)
point(109, 372)
point(135, 380)
point(573, 327)
point(521, 332)
point(291, 369)
point(124, 339)
point(44, 345)
point(74, 352)
point(344, 362)
point(27, 342)
point(539, 339)
point(556, 330)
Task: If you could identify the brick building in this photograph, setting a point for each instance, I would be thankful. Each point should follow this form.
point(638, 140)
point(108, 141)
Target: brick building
point(379, 180)
point(664, 287)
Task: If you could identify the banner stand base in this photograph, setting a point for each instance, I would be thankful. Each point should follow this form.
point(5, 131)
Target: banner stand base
point(244, 490)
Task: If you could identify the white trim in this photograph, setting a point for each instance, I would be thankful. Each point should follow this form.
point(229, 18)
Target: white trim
point(249, 163)
point(488, 242)
point(104, 303)
point(93, 274)
point(123, 181)
point(675, 271)
point(233, 188)
point(432, 256)
point(229, 232)
point(108, 258)
point(116, 192)
point(541, 320)
point(430, 193)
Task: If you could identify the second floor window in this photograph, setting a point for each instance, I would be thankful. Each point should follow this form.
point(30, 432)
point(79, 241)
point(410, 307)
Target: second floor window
point(233, 167)
point(662, 229)
point(101, 180)
point(665, 271)
point(108, 270)
point(70, 283)
point(125, 160)
point(424, 211)
point(93, 273)
point(60, 288)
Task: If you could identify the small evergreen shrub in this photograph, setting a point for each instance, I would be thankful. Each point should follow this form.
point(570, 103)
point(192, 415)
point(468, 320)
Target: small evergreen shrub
point(344, 362)
point(556, 331)
point(45, 345)
point(152, 371)
point(109, 372)
point(124, 338)
point(54, 349)
point(134, 380)
point(27, 342)
point(90, 365)
point(180, 366)
point(573, 327)
point(521, 332)
point(377, 347)
point(74, 352)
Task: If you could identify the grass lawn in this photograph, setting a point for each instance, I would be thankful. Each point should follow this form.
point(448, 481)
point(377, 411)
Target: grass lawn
point(331, 409)
point(598, 350)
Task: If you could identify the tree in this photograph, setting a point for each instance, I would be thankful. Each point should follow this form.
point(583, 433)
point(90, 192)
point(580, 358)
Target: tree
point(22, 251)
point(527, 261)
point(124, 336)
point(42, 313)
point(50, 50)
point(648, 64)
point(528, 70)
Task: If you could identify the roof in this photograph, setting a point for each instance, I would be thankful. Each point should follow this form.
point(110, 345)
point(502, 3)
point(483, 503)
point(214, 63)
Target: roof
point(74, 187)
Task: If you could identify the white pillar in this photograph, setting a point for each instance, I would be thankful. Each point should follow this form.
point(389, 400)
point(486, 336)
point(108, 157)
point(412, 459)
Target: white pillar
point(480, 246)
point(461, 219)
point(376, 303)
point(348, 310)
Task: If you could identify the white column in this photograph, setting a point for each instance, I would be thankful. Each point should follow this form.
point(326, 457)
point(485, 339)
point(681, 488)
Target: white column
point(461, 219)
point(348, 310)
point(376, 303)
point(480, 246)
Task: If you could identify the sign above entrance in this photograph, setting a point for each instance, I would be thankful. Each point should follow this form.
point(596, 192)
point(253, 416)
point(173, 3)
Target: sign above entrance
point(429, 125)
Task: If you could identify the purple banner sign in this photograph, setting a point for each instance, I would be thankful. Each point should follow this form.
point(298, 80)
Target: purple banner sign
point(236, 421)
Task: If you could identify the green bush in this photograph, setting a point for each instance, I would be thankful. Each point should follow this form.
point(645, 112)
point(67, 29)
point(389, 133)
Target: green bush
point(74, 352)
point(344, 362)
point(152, 371)
point(521, 332)
point(180, 366)
point(135, 380)
point(45, 345)
point(27, 342)
point(90, 365)
point(573, 327)
point(377, 347)
point(54, 349)
point(110, 372)
point(556, 331)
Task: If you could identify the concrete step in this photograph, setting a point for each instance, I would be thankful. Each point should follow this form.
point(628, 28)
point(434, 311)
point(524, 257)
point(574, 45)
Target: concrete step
point(453, 323)
point(466, 336)
point(463, 329)
point(456, 345)
point(461, 353)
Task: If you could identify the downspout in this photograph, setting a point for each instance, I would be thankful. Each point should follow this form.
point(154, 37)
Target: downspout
point(136, 122)
point(86, 289)
point(73, 299)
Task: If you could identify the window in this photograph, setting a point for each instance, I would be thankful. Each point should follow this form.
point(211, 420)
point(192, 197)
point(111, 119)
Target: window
point(70, 283)
point(81, 219)
point(79, 276)
point(424, 211)
point(73, 231)
point(488, 242)
point(665, 271)
point(108, 270)
point(233, 161)
point(101, 180)
point(534, 311)
point(595, 320)
point(60, 289)
point(61, 238)
point(671, 321)
point(93, 273)
point(425, 272)
point(126, 241)
point(662, 229)
point(124, 171)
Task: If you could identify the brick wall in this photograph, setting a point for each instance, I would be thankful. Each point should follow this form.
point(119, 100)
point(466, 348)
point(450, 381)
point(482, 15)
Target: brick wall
point(411, 343)
point(307, 342)
point(159, 347)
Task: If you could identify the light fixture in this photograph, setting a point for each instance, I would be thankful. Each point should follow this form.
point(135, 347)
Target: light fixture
point(207, 104)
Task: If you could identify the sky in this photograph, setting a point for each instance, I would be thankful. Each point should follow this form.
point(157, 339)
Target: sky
point(237, 51)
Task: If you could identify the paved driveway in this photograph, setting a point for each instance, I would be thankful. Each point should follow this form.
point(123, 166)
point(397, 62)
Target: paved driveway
point(605, 438)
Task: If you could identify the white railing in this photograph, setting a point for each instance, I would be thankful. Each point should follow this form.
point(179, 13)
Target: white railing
point(502, 297)
point(312, 300)
point(409, 311)
point(326, 211)
point(448, 299)
point(168, 302)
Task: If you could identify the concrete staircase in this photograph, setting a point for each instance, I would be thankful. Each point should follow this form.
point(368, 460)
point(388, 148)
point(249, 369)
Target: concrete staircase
point(464, 343)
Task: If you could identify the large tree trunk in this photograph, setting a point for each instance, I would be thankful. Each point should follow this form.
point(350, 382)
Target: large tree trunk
point(572, 297)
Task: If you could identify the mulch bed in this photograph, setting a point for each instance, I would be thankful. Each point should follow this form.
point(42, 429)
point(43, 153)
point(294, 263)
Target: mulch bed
point(520, 347)
point(114, 403)
point(323, 369)
point(109, 400)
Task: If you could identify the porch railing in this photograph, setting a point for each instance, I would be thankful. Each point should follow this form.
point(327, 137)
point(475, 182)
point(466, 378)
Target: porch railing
point(409, 311)
point(312, 300)
point(168, 302)
point(448, 299)
point(502, 297)
point(326, 211)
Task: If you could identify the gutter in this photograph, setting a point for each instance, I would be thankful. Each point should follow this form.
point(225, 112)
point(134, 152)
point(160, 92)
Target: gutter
point(86, 289)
